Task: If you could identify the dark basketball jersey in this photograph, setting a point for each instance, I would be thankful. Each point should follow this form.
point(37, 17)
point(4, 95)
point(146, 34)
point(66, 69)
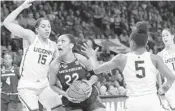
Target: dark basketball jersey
point(9, 79)
point(70, 72)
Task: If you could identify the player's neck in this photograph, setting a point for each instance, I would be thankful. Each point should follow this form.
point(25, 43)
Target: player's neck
point(43, 40)
point(140, 50)
point(68, 58)
point(170, 47)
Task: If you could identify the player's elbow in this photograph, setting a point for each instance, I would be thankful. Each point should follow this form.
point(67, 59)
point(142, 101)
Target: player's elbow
point(5, 23)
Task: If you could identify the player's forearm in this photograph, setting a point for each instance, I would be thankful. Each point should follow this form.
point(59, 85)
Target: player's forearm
point(93, 79)
point(58, 90)
point(12, 16)
point(107, 66)
point(94, 62)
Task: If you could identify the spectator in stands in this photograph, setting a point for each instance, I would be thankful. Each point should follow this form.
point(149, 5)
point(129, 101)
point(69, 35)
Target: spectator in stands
point(47, 7)
point(119, 78)
point(30, 20)
point(122, 91)
point(118, 27)
point(22, 21)
point(9, 78)
point(36, 15)
point(113, 90)
point(5, 11)
point(108, 32)
point(103, 90)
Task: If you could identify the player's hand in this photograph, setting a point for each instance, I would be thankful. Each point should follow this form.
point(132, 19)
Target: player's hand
point(27, 4)
point(89, 51)
point(89, 90)
point(163, 89)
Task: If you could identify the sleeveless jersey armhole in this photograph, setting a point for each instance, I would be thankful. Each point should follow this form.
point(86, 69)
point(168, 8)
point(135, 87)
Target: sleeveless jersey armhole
point(36, 39)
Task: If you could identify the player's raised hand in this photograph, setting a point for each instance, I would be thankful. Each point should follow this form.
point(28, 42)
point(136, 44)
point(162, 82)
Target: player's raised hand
point(27, 3)
point(89, 51)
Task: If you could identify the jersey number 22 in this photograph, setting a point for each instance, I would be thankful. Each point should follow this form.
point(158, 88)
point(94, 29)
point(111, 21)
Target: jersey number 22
point(73, 77)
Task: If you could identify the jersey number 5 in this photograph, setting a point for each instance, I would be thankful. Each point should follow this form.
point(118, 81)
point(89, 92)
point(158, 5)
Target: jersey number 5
point(42, 59)
point(137, 68)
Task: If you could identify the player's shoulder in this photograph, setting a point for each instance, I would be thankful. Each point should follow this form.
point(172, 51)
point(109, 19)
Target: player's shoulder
point(80, 57)
point(53, 43)
point(160, 53)
point(155, 58)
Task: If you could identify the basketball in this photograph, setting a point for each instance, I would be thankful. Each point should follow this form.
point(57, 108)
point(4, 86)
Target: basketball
point(79, 90)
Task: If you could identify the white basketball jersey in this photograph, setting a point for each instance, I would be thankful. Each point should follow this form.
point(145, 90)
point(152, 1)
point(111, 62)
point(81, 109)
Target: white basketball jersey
point(35, 63)
point(140, 74)
point(168, 59)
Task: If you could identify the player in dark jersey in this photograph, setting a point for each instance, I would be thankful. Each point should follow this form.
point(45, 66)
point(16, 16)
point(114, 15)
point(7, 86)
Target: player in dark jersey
point(70, 66)
point(9, 79)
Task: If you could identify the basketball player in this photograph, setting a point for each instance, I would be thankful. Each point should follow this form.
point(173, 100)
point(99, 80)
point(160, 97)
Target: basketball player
point(168, 56)
point(139, 69)
point(9, 79)
point(70, 66)
point(33, 84)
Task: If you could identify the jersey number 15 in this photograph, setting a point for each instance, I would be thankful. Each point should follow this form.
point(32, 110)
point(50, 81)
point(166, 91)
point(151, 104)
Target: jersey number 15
point(138, 67)
point(42, 59)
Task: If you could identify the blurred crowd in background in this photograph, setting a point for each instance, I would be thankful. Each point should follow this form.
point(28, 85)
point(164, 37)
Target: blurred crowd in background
point(92, 20)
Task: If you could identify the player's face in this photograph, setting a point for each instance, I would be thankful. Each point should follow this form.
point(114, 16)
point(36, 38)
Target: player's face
point(44, 29)
point(63, 44)
point(167, 37)
point(8, 60)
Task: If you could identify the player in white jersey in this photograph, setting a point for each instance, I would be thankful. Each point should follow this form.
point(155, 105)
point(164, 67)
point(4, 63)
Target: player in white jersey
point(140, 69)
point(33, 85)
point(168, 56)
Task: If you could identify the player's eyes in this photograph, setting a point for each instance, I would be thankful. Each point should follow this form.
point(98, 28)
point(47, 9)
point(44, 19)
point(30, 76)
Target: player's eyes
point(42, 26)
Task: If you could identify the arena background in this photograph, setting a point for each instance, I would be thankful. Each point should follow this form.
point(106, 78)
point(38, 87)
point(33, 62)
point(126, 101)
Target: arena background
point(106, 24)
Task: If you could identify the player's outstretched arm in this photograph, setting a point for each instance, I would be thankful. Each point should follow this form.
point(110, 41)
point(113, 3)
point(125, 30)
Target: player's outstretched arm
point(164, 71)
point(110, 65)
point(15, 28)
